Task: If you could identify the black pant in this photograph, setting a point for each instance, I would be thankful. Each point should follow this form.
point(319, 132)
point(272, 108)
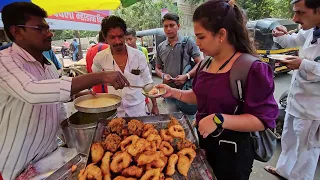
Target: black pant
point(229, 162)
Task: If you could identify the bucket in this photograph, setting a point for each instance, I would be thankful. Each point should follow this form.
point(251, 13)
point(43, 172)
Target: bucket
point(82, 127)
point(67, 133)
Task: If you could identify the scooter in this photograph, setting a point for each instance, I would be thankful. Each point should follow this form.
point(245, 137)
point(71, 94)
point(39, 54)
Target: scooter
point(282, 107)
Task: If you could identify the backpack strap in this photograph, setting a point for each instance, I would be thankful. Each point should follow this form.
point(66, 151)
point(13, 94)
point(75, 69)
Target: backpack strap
point(99, 47)
point(204, 63)
point(183, 45)
point(239, 74)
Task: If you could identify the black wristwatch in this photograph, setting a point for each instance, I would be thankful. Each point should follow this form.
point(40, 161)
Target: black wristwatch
point(218, 119)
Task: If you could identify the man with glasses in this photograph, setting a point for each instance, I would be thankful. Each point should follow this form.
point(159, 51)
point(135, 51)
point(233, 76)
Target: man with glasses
point(31, 92)
point(300, 141)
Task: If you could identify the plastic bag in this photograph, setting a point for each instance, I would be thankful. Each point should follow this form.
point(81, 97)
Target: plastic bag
point(46, 166)
point(55, 160)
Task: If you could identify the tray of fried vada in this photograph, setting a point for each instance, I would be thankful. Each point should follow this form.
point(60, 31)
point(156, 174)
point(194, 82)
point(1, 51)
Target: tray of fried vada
point(162, 147)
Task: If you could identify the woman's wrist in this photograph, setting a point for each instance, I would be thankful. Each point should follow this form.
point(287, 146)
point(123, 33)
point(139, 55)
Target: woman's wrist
point(176, 93)
point(180, 96)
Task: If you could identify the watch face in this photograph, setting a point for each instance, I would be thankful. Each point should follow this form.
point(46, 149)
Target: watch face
point(217, 120)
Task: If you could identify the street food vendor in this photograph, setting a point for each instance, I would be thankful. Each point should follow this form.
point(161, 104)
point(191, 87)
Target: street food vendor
point(128, 61)
point(221, 33)
point(31, 92)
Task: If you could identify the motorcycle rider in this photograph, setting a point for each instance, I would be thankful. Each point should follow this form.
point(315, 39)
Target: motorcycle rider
point(65, 47)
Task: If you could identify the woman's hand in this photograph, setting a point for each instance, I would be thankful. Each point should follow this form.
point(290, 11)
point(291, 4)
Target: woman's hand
point(206, 126)
point(169, 91)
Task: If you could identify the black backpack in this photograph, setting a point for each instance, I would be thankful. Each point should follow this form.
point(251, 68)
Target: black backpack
point(189, 109)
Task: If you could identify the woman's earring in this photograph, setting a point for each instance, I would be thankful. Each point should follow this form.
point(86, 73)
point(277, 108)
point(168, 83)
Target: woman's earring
point(220, 41)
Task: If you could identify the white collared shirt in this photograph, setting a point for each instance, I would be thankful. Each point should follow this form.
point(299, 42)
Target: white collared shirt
point(30, 97)
point(304, 96)
point(133, 101)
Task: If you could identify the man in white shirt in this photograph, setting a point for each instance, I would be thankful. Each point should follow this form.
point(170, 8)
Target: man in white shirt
point(31, 92)
point(301, 133)
point(131, 40)
point(129, 61)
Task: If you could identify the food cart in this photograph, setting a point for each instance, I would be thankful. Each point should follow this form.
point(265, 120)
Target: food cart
point(92, 125)
point(89, 124)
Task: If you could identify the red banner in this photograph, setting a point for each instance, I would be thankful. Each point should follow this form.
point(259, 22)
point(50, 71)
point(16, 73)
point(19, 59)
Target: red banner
point(92, 17)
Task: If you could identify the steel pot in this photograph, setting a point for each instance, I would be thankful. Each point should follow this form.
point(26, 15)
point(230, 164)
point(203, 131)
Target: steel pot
point(81, 128)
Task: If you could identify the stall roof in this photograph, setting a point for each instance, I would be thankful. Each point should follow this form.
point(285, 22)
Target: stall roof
point(57, 6)
point(82, 20)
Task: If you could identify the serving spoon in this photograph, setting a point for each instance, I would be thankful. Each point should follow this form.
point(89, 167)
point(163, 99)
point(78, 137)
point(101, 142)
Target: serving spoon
point(147, 88)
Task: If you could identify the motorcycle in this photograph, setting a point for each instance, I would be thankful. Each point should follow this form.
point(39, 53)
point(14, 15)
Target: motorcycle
point(65, 52)
point(282, 107)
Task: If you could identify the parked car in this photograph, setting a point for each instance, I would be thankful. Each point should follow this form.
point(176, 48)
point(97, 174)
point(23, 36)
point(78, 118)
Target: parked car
point(56, 49)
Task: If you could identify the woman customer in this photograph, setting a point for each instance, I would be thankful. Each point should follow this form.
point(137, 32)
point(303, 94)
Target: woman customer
point(221, 33)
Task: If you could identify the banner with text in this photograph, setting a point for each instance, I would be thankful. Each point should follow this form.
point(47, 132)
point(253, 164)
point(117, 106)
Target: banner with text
point(92, 17)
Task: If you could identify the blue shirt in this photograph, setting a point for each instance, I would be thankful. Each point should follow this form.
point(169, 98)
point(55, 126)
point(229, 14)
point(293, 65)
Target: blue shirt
point(52, 57)
point(75, 45)
point(5, 46)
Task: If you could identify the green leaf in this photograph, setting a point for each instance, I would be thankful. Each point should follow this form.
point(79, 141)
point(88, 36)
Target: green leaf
point(145, 14)
point(127, 3)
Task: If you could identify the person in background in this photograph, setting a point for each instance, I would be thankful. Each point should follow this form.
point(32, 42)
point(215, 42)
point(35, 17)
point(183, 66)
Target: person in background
point(91, 53)
point(300, 141)
point(170, 54)
point(52, 57)
point(31, 92)
point(221, 33)
point(5, 46)
point(65, 47)
point(131, 40)
point(75, 48)
point(129, 61)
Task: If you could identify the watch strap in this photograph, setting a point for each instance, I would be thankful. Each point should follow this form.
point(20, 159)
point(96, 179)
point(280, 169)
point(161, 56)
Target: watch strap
point(218, 119)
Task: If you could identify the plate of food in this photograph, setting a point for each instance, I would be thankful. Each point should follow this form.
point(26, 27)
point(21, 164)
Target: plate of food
point(281, 57)
point(161, 147)
point(155, 92)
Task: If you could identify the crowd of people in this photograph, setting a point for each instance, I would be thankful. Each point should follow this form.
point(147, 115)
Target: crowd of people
point(32, 94)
